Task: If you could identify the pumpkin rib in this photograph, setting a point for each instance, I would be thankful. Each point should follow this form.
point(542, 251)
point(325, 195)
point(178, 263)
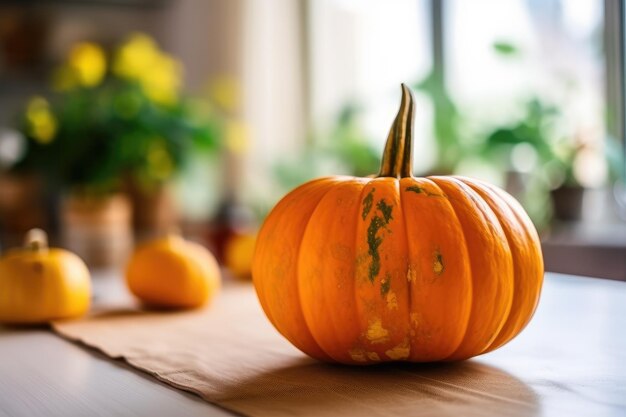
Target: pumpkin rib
point(316, 287)
point(486, 195)
point(505, 315)
point(482, 232)
point(469, 261)
point(359, 344)
point(471, 278)
point(534, 253)
point(355, 292)
point(532, 234)
point(408, 282)
point(296, 279)
point(443, 306)
point(325, 185)
point(505, 243)
point(380, 299)
point(260, 290)
point(534, 237)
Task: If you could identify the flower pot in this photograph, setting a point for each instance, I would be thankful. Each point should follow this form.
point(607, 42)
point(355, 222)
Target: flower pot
point(154, 210)
point(98, 229)
point(568, 203)
point(22, 205)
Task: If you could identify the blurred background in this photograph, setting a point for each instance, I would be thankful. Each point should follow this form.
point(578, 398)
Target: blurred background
point(122, 120)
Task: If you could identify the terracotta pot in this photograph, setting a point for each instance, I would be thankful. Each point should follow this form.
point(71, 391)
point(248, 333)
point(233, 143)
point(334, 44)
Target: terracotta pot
point(154, 211)
point(22, 205)
point(98, 229)
point(568, 203)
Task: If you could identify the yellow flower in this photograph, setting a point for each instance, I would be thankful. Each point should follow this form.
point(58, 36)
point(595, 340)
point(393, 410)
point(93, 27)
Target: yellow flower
point(163, 81)
point(85, 66)
point(87, 61)
point(159, 75)
point(41, 123)
point(237, 137)
point(224, 91)
point(135, 56)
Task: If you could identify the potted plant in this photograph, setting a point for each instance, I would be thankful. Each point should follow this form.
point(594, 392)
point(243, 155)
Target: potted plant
point(113, 135)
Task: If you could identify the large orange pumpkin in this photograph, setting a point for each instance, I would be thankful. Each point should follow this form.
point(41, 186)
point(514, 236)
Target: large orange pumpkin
point(398, 268)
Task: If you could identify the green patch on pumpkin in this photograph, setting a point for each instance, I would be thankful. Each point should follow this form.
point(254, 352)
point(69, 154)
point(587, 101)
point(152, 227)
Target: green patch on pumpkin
point(420, 190)
point(385, 209)
point(373, 240)
point(368, 202)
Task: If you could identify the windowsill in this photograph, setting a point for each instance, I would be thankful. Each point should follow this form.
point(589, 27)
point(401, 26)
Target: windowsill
point(587, 248)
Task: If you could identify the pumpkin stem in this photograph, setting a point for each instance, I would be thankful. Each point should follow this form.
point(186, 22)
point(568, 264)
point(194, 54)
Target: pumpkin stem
point(397, 158)
point(36, 240)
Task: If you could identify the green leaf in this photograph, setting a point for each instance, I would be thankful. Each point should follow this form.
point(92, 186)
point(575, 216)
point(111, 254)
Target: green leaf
point(505, 48)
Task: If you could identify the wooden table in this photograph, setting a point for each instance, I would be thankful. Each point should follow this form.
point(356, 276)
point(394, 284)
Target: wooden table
point(572, 358)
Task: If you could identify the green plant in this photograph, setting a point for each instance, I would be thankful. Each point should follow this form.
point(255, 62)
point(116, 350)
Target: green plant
point(345, 147)
point(447, 121)
point(350, 143)
point(532, 128)
point(106, 124)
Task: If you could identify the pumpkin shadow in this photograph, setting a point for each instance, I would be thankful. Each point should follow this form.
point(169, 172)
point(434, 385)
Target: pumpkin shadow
point(307, 387)
point(22, 327)
point(124, 313)
point(120, 312)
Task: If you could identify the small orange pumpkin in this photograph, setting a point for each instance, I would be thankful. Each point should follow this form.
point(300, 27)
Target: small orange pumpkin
point(238, 254)
point(398, 268)
point(171, 272)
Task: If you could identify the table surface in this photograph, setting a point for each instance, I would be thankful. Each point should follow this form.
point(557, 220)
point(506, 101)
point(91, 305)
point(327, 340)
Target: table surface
point(572, 358)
